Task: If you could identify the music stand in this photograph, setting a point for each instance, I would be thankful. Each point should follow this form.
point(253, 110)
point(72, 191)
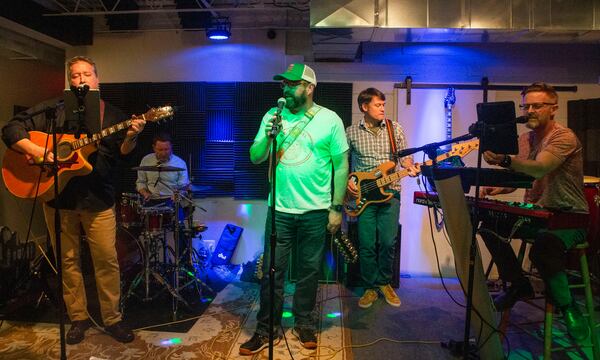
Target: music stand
point(499, 126)
point(81, 111)
point(496, 124)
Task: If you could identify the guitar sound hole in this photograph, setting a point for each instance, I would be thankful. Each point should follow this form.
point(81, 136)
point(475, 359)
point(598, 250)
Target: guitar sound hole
point(64, 150)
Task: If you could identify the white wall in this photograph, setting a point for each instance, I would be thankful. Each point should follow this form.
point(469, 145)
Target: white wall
point(24, 83)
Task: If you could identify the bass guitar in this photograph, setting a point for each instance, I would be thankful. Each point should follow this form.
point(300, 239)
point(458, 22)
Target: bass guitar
point(26, 180)
point(371, 186)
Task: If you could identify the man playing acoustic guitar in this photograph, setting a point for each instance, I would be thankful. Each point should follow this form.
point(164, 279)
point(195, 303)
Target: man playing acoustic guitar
point(373, 141)
point(86, 202)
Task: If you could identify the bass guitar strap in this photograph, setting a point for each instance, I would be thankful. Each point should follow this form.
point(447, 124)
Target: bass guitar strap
point(390, 131)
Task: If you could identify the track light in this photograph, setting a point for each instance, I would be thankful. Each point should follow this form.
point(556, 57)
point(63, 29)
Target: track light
point(220, 29)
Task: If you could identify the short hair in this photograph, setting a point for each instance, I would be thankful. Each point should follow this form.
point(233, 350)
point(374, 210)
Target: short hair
point(162, 136)
point(75, 59)
point(541, 87)
point(367, 95)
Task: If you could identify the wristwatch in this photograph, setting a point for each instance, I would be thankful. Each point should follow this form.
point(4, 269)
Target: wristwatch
point(337, 208)
point(506, 162)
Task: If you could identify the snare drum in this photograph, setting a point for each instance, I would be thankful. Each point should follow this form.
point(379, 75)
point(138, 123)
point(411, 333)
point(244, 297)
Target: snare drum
point(157, 218)
point(129, 210)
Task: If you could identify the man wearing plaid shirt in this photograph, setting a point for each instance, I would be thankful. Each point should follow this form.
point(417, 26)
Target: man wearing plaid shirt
point(370, 146)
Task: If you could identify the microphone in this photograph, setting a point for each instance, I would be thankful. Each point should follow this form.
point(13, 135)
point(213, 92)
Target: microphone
point(522, 120)
point(80, 90)
point(275, 128)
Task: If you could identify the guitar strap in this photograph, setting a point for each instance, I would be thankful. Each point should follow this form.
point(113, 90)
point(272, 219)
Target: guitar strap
point(294, 133)
point(390, 131)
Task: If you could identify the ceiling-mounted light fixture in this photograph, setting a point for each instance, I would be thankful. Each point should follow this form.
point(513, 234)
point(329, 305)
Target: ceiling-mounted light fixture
point(220, 29)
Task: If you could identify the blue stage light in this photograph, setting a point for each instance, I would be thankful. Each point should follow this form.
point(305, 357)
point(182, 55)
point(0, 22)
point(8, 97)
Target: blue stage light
point(220, 29)
point(218, 34)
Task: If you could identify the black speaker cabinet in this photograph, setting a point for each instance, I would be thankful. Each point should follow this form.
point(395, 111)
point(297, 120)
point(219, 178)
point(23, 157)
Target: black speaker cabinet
point(353, 277)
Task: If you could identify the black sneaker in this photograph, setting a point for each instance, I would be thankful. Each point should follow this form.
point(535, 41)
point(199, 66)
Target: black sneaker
point(120, 332)
point(307, 337)
point(256, 343)
point(77, 331)
point(514, 293)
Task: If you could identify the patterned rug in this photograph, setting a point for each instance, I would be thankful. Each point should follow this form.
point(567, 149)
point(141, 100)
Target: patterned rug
point(217, 334)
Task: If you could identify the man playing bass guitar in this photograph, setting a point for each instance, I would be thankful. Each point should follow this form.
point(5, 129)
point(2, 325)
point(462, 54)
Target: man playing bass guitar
point(373, 141)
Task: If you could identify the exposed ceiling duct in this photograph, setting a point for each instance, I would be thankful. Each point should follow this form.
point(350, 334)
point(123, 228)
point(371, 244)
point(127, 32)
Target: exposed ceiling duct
point(75, 30)
point(342, 25)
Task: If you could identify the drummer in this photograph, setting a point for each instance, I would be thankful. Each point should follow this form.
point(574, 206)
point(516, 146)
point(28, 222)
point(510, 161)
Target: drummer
point(155, 186)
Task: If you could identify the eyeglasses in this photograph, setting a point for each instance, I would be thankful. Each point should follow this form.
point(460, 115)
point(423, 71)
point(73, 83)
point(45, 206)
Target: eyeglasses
point(290, 84)
point(535, 106)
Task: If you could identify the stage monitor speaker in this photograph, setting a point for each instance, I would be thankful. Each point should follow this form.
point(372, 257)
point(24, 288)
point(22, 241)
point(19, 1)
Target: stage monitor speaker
point(353, 277)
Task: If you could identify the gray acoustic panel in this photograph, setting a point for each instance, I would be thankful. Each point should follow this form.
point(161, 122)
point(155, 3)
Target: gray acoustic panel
point(190, 125)
point(220, 96)
point(218, 155)
point(246, 124)
point(251, 183)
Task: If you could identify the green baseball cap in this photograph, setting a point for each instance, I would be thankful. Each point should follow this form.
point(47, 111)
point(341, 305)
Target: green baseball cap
point(297, 72)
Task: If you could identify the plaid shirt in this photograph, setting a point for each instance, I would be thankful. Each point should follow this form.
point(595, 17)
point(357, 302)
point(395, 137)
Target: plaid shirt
point(369, 150)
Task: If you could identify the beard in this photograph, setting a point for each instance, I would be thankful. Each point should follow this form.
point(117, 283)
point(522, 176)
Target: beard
point(293, 101)
point(532, 123)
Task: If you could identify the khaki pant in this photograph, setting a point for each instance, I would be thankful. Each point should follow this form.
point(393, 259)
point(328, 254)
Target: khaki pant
point(100, 230)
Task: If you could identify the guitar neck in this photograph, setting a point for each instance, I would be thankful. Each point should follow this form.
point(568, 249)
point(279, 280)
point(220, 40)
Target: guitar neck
point(84, 141)
point(448, 122)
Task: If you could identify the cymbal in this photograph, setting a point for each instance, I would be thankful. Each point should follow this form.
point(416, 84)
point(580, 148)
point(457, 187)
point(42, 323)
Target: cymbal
point(590, 179)
point(157, 168)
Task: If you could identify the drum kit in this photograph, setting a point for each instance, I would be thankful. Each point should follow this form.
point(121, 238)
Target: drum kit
point(168, 263)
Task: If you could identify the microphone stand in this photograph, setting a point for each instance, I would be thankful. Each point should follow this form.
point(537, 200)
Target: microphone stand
point(51, 114)
point(479, 130)
point(273, 237)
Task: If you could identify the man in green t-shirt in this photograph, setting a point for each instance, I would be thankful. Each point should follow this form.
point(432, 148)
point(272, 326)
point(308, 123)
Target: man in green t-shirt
point(312, 150)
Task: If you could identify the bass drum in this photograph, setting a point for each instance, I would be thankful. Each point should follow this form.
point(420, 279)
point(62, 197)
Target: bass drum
point(129, 253)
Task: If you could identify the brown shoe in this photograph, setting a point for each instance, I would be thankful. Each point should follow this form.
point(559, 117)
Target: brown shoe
point(307, 337)
point(368, 298)
point(390, 295)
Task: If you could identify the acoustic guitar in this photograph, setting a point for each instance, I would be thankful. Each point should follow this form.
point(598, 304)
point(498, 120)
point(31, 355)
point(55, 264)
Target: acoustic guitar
point(372, 185)
point(26, 180)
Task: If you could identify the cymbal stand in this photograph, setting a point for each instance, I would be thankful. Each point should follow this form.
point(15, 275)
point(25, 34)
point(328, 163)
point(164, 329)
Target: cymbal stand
point(177, 197)
point(193, 260)
point(148, 272)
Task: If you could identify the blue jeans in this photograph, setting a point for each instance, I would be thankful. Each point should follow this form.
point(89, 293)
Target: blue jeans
point(377, 233)
point(306, 231)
